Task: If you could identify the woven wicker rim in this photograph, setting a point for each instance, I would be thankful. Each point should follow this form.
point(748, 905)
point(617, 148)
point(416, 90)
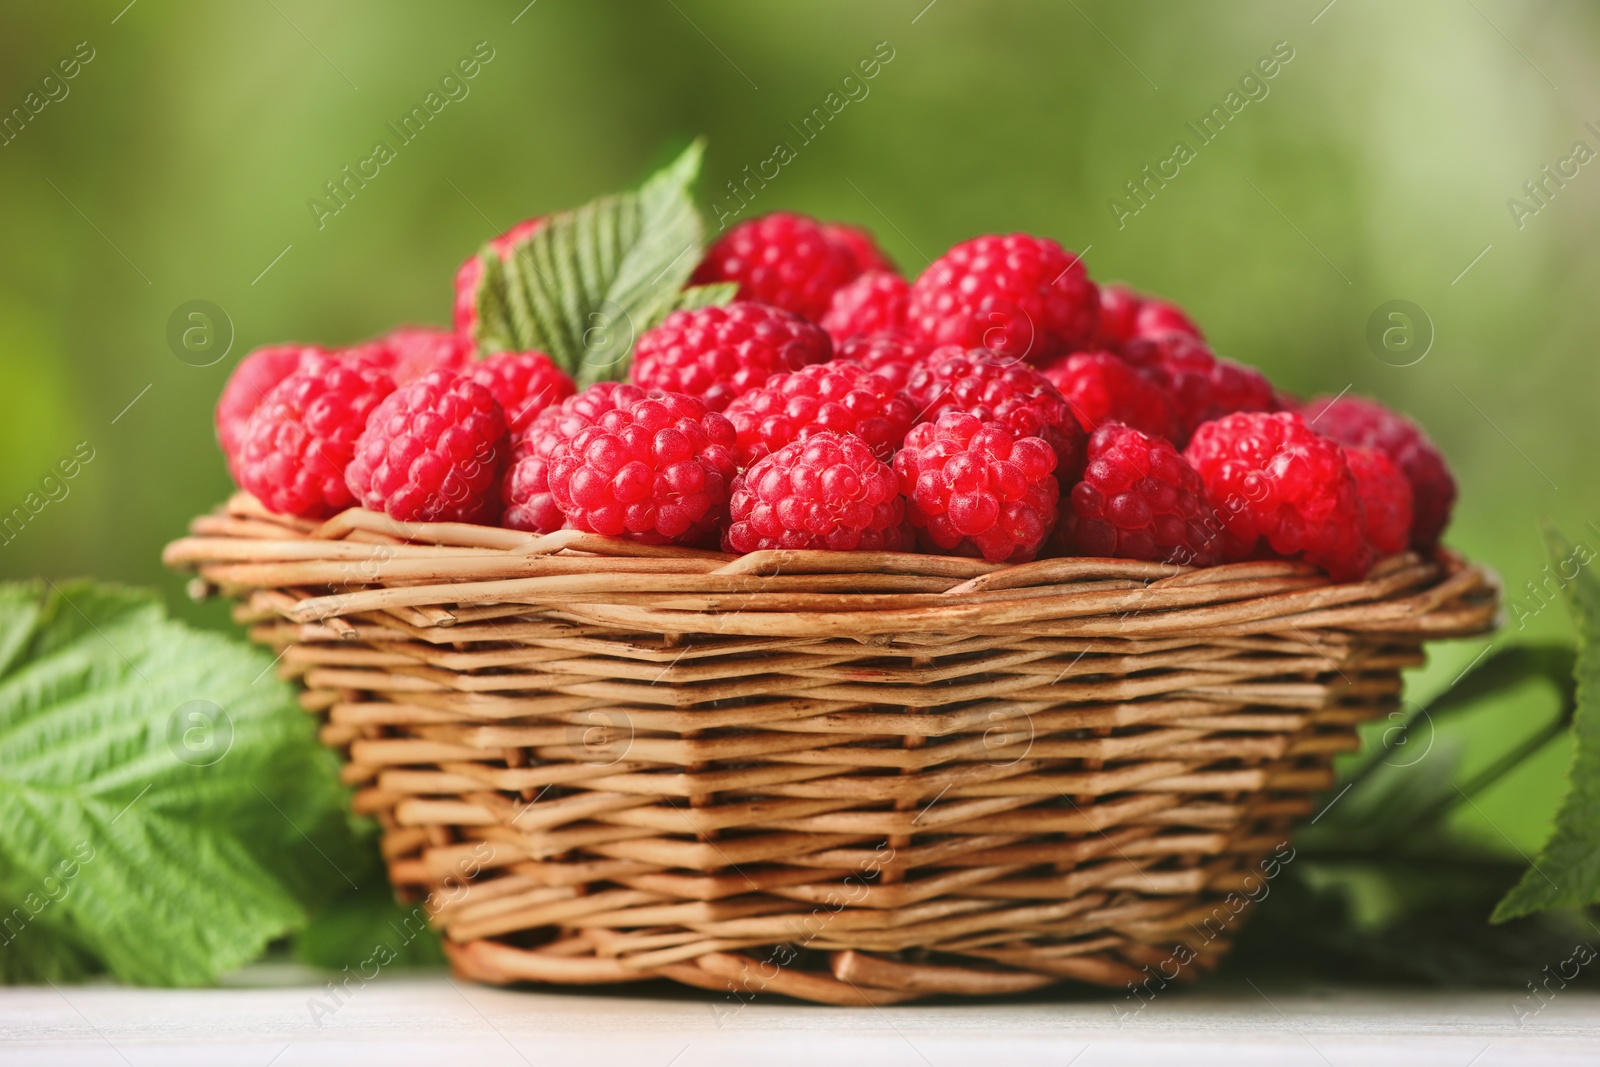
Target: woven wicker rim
point(787, 709)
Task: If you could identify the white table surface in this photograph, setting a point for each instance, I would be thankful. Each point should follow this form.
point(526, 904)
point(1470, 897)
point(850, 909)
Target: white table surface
point(265, 1018)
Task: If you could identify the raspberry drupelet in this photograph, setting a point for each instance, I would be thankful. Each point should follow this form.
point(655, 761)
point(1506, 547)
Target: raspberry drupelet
point(1101, 388)
point(783, 259)
point(655, 471)
point(1139, 500)
point(976, 488)
point(838, 396)
point(716, 353)
point(299, 440)
point(875, 301)
point(998, 389)
point(524, 384)
point(1270, 477)
point(432, 451)
point(1353, 420)
point(1022, 296)
point(828, 491)
point(526, 486)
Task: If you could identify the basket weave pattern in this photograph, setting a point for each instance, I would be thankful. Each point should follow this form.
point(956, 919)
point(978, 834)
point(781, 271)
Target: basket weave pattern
point(847, 777)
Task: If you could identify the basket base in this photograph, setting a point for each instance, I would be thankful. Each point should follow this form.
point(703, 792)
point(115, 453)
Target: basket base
point(852, 978)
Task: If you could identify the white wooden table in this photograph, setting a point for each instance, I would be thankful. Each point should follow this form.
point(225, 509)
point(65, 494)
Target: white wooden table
point(271, 1016)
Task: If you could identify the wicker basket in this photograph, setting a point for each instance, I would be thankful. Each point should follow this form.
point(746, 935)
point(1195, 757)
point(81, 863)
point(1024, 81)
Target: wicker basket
point(854, 778)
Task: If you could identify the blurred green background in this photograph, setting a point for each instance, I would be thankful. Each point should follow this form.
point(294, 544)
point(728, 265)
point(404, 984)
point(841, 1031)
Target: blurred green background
point(179, 163)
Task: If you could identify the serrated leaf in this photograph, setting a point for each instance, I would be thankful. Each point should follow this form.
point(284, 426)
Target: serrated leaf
point(1567, 872)
point(585, 285)
point(704, 296)
point(146, 834)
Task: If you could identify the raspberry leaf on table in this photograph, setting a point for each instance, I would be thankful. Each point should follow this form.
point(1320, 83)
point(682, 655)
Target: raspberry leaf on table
point(1567, 872)
point(587, 283)
point(147, 835)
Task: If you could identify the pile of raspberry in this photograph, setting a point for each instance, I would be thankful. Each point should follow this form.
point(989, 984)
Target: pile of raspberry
point(999, 405)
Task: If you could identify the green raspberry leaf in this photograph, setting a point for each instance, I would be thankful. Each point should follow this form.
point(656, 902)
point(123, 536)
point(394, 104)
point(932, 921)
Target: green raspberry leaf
point(168, 810)
point(1567, 872)
point(585, 285)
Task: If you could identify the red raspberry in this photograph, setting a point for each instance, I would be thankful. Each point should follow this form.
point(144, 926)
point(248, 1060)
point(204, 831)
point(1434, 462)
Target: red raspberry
point(976, 488)
point(1025, 297)
point(1385, 498)
point(828, 491)
point(1139, 500)
point(890, 354)
point(1269, 476)
point(1358, 421)
point(716, 353)
point(998, 389)
point(432, 452)
point(300, 439)
point(526, 486)
point(839, 396)
point(1119, 315)
point(406, 353)
point(1101, 387)
point(524, 384)
point(874, 301)
point(471, 270)
point(247, 386)
point(863, 249)
point(1201, 386)
point(1126, 316)
point(655, 471)
point(1157, 317)
point(781, 259)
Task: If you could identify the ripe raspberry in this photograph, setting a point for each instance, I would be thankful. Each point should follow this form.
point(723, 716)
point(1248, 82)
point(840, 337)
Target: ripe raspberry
point(889, 354)
point(1269, 476)
point(656, 471)
point(976, 488)
point(874, 301)
point(781, 259)
point(1358, 421)
point(834, 396)
point(471, 270)
point(1157, 317)
point(247, 386)
point(1119, 315)
point(1139, 500)
point(716, 353)
point(526, 486)
point(406, 353)
point(1385, 498)
point(1100, 387)
point(300, 439)
point(1202, 387)
point(432, 452)
point(1025, 297)
point(997, 389)
point(828, 491)
point(524, 384)
point(863, 249)
point(1126, 316)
